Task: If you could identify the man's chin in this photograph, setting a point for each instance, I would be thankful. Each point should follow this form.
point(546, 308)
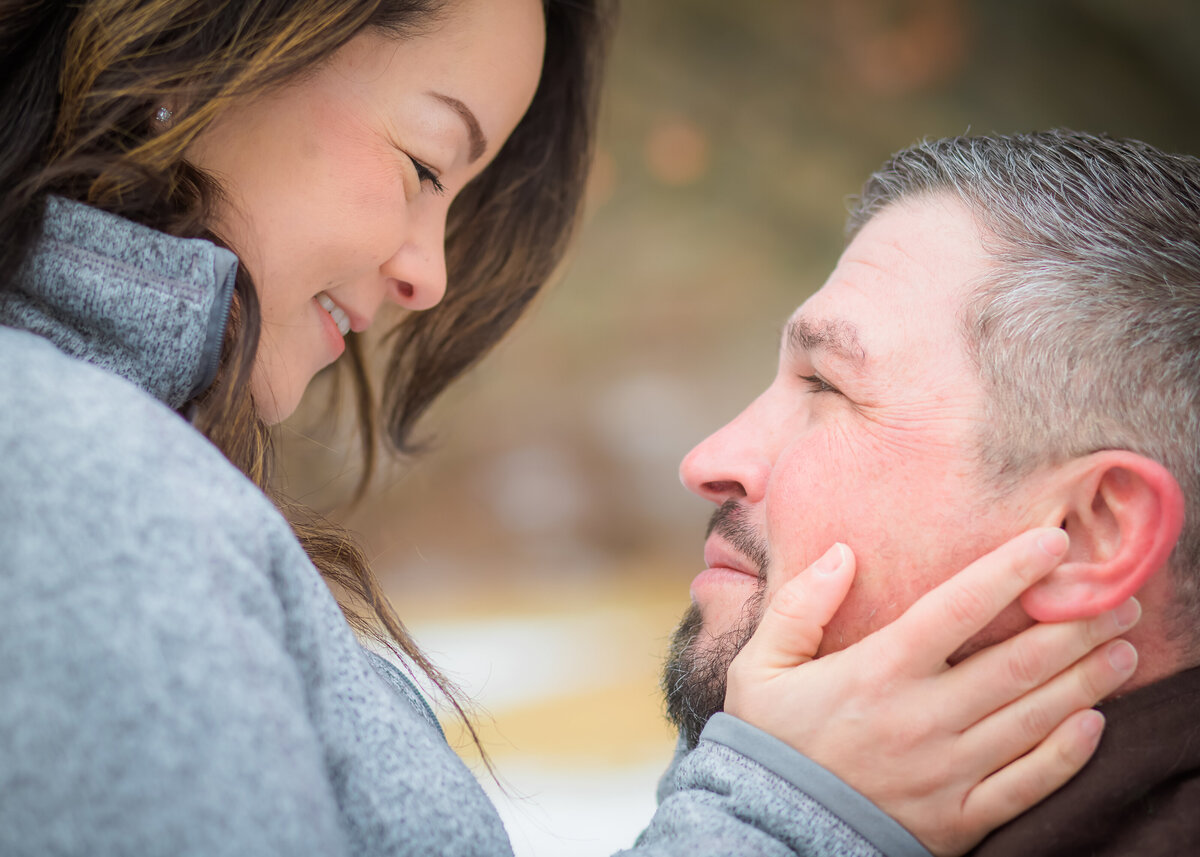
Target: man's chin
point(697, 665)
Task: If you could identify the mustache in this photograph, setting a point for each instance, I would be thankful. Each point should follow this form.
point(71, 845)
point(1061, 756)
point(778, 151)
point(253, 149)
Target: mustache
point(731, 522)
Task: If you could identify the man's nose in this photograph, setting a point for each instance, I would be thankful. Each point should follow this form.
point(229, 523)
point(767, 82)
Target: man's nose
point(735, 462)
point(416, 272)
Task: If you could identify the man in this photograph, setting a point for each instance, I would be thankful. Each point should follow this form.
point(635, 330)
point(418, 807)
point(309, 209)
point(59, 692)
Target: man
point(1010, 340)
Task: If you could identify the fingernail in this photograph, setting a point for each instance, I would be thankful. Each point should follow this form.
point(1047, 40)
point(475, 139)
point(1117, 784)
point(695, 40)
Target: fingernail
point(1128, 614)
point(1122, 657)
point(1091, 723)
point(831, 561)
point(1054, 543)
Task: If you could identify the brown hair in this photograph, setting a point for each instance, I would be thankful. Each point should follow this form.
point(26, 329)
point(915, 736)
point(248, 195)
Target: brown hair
point(77, 98)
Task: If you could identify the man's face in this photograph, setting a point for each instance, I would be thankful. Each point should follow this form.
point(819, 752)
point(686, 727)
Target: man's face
point(868, 435)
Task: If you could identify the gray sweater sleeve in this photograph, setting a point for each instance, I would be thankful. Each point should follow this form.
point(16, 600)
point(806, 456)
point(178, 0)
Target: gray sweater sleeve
point(742, 791)
point(150, 704)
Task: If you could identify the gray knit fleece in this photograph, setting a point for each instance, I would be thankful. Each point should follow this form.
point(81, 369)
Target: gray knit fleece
point(175, 677)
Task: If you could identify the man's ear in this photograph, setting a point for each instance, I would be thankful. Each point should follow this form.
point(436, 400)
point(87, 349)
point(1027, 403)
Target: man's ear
point(1123, 513)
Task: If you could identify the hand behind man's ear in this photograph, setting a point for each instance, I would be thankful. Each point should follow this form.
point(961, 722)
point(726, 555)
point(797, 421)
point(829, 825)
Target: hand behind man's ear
point(949, 752)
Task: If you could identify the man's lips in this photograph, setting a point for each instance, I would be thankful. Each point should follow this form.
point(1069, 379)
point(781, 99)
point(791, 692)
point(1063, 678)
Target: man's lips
point(718, 554)
point(727, 575)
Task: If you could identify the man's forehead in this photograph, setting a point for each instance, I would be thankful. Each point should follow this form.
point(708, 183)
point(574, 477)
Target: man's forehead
point(899, 286)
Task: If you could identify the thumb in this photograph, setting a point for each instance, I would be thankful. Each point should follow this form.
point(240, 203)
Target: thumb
point(794, 622)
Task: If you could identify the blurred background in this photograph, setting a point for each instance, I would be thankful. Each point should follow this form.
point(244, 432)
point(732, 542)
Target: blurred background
point(542, 550)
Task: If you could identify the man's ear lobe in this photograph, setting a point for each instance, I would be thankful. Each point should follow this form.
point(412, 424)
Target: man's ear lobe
point(1123, 513)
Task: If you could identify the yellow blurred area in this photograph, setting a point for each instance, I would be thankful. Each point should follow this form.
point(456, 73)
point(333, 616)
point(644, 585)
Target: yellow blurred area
point(618, 721)
point(627, 718)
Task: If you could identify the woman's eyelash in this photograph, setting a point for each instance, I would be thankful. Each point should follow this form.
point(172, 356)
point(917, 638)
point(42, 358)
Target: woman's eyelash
point(817, 384)
point(427, 175)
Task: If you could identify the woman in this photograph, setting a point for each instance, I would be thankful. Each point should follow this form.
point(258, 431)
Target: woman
point(201, 199)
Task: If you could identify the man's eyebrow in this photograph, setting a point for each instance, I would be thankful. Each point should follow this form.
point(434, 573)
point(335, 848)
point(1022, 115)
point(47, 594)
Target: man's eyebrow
point(479, 142)
point(838, 338)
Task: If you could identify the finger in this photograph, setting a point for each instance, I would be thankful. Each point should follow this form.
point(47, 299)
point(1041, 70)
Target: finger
point(1020, 785)
point(995, 676)
point(794, 621)
point(1016, 728)
point(944, 618)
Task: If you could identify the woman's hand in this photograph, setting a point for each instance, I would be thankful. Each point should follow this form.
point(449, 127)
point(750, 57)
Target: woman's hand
point(949, 752)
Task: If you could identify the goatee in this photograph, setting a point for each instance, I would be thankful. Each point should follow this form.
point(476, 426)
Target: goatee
point(694, 677)
point(695, 673)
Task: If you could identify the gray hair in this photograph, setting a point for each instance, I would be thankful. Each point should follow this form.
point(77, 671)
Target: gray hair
point(1087, 332)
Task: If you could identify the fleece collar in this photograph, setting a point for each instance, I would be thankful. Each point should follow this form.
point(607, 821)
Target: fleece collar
point(144, 305)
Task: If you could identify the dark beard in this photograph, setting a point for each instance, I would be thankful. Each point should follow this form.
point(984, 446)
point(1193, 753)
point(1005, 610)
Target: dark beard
point(694, 676)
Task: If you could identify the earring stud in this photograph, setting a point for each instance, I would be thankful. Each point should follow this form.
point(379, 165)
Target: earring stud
point(163, 115)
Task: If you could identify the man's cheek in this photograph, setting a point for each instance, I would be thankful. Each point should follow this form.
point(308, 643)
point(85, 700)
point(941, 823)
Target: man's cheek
point(884, 587)
point(863, 611)
point(806, 518)
point(796, 544)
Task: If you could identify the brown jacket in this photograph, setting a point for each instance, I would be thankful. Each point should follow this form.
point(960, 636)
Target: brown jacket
point(1139, 796)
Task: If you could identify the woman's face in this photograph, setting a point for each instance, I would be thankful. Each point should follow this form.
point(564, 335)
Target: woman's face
point(338, 185)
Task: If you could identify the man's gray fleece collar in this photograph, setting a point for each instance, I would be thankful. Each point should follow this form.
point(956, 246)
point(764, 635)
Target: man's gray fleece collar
point(144, 305)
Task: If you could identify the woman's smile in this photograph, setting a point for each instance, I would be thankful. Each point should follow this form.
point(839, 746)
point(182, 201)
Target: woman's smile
point(335, 312)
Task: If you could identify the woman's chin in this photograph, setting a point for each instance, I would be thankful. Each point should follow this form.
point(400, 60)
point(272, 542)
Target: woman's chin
point(275, 400)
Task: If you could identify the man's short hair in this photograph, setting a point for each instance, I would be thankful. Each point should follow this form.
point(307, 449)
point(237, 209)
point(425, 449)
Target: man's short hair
point(1087, 332)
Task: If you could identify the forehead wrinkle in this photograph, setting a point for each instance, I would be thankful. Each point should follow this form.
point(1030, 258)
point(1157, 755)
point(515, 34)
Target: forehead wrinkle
point(836, 337)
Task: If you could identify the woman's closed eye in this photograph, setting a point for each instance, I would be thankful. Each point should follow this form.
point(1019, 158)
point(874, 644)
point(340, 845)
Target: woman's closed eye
point(427, 176)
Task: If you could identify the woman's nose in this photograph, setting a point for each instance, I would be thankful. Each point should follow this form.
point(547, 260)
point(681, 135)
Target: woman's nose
point(416, 273)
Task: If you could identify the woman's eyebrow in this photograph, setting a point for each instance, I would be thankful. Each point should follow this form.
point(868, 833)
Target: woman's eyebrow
point(475, 134)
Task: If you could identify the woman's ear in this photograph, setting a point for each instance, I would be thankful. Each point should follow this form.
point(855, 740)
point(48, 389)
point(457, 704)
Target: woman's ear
point(1123, 513)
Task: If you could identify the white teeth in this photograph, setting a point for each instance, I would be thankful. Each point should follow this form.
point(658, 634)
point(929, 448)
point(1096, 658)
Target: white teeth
point(339, 315)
